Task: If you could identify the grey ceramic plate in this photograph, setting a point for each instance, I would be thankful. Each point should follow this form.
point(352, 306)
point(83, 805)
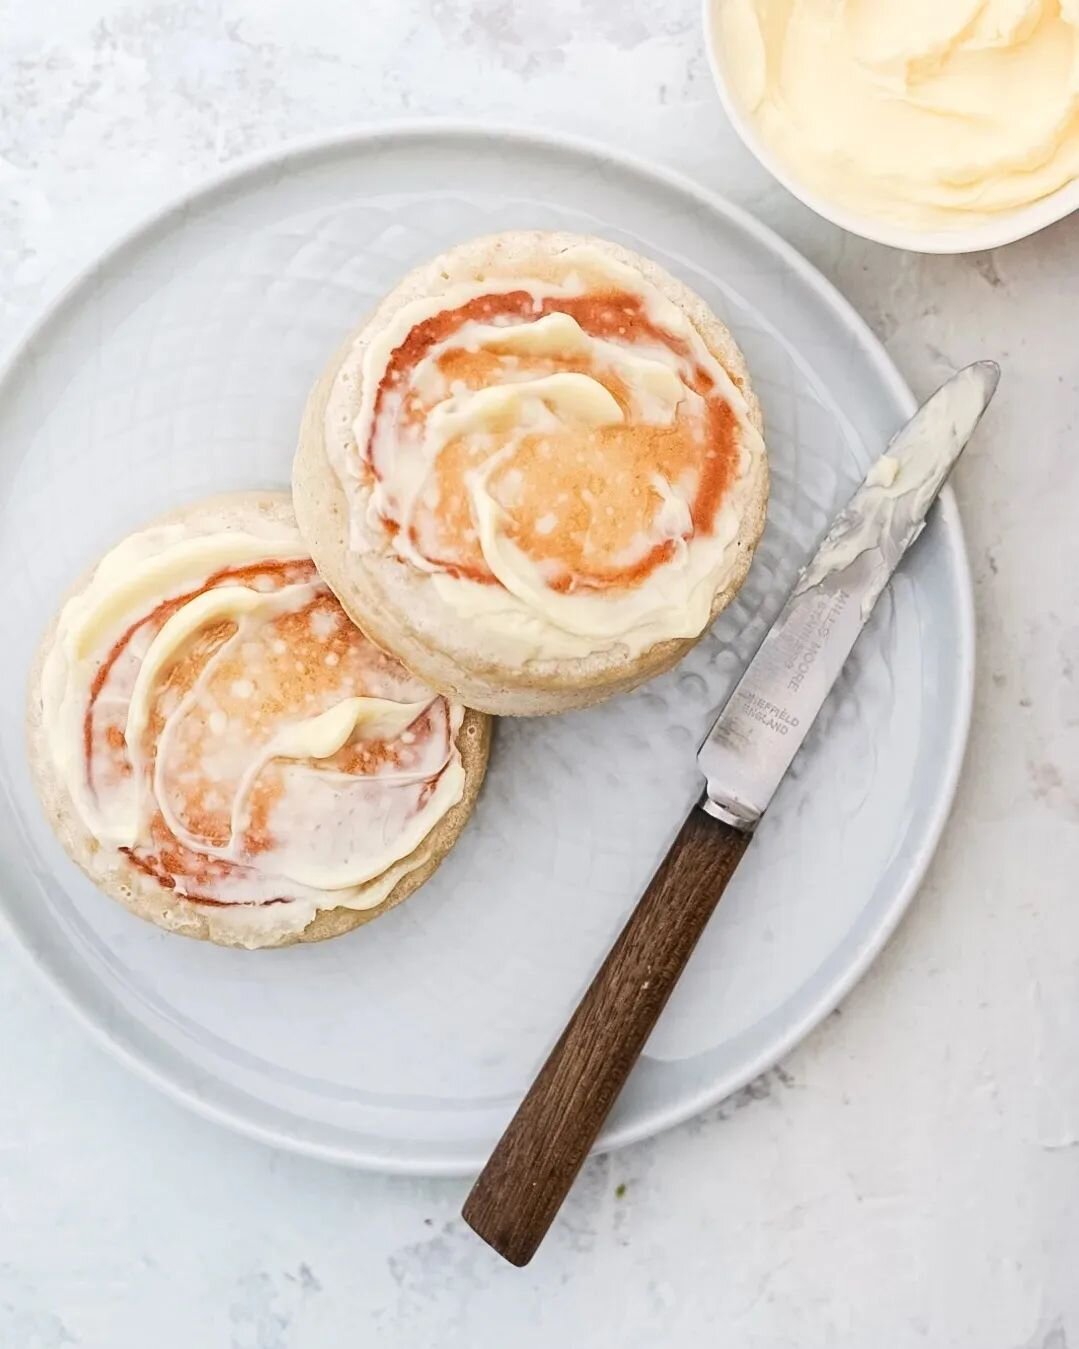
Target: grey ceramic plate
point(177, 366)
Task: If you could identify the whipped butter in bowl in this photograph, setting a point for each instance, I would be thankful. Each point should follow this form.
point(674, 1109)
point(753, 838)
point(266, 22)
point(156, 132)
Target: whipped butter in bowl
point(939, 125)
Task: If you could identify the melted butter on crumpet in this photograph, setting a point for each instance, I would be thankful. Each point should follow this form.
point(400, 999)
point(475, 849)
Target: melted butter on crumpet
point(214, 716)
point(561, 457)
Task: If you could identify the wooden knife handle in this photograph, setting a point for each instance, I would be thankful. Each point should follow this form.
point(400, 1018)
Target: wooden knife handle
point(529, 1174)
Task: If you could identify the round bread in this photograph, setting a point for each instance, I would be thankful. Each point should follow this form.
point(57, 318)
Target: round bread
point(391, 600)
point(230, 924)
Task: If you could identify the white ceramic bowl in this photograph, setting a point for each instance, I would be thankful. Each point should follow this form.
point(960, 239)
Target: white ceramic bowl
point(1002, 229)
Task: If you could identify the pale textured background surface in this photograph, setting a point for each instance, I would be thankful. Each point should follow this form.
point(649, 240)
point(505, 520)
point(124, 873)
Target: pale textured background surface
point(911, 1175)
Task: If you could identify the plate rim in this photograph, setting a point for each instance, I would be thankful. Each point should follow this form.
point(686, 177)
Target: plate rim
point(832, 993)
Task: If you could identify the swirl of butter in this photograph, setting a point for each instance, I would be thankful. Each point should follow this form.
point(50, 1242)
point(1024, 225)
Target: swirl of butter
point(506, 406)
point(930, 114)
point(326, 763)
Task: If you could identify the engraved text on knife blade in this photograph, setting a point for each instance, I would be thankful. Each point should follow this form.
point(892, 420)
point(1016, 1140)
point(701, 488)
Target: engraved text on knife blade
point(766, 718)
point(764, 722)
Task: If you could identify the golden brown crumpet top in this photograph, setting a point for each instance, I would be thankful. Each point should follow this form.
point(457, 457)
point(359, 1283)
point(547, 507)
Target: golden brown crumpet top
point(555, 444)
point(223, 730)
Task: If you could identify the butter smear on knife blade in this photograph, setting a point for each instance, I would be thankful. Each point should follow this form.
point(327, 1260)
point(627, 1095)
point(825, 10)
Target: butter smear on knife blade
point(888, 511)
point(766, 718)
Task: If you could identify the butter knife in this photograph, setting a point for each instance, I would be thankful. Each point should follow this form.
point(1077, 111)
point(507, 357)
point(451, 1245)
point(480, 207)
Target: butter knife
point(743, 760)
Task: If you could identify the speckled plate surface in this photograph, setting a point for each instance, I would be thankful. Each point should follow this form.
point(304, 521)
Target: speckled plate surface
point(178, 366)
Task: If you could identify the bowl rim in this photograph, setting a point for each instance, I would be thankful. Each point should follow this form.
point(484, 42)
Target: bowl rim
point(1009, 227)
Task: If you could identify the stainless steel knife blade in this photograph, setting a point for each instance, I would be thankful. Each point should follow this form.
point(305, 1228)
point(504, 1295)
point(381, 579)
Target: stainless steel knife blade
point(763, 723)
